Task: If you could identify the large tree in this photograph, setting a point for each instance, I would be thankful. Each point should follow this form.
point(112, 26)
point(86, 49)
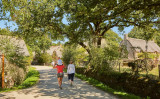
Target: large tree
point(88, 20)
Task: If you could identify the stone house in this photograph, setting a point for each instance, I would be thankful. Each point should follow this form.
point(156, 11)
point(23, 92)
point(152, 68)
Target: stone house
point(135, 46)
point(57, 49)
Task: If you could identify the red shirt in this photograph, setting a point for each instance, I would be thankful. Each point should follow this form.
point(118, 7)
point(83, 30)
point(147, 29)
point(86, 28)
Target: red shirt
point(60, 68)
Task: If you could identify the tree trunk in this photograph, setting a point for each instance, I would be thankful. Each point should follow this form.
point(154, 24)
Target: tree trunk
point(99, 42)
point(159, 70)
point(87, 49)
point(146, 56)
point(84, 46)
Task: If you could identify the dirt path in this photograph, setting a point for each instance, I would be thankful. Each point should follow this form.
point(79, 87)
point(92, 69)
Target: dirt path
point(47, 88)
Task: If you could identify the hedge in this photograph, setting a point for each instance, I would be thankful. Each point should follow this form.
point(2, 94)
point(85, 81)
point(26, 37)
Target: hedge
point(140, 86)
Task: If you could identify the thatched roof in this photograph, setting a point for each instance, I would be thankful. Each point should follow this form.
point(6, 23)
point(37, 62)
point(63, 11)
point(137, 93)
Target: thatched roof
point(16, 42)
point(152, 46)
point(58, 50)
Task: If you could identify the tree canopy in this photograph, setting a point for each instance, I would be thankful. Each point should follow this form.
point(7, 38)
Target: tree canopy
point(87, 20)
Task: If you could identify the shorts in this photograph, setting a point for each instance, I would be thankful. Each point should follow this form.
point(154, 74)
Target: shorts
point(60, 75)
point(71, 76)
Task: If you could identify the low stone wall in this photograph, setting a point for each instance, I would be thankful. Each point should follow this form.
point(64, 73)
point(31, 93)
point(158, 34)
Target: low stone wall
point(133, 84)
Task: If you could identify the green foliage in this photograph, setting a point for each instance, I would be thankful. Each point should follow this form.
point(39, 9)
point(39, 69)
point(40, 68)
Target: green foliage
point(76, 54)
point(106, 88)
point(44, 43)
point(87, 20)
point(146, 33)
point(112, 52)
point(29, 59)
point(98, 60)
point(39, 44)
point(56, 44)
point(141, 86)
point(149, 55)
point(103, 59)
point(44, 58)
point(31, 79)
point(69, 53)
point(5, 32)
point(17, 59)
point(123, 51)
point(12, 52)
point(112, 38)
point(54, 56)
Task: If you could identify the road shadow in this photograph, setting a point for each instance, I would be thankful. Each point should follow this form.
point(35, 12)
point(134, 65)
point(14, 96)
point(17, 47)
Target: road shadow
point(48, 86)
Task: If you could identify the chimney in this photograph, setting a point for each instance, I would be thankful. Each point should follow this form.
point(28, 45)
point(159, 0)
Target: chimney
point(125, 36)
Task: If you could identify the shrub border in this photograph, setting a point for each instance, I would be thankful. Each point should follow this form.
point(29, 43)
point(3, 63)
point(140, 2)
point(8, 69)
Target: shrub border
point(139, 86)
point(23, 85)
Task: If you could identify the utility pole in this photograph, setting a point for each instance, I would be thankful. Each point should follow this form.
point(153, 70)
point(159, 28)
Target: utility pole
point(2, 70)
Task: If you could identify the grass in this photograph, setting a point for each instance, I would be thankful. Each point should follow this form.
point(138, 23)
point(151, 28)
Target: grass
point(31, 79)
point(154, 74)
point(98, 84)
point(154, 71)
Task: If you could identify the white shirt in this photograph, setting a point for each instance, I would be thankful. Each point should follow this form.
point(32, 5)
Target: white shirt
point(71, 69)
point(59, 62)
point(53, 63)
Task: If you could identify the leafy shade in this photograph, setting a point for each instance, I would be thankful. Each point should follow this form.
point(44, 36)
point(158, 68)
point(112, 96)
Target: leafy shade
point(112, 38)
point(87, 20)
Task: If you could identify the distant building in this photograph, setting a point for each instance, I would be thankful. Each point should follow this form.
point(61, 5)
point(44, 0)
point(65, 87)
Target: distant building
point(57, 49)
point(135, 46)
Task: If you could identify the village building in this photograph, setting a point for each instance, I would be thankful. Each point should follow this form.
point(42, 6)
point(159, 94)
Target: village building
point(57, 49)
point(135, 46)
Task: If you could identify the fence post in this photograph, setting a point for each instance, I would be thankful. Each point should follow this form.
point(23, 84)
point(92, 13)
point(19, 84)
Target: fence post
point(159, 70)
point(2, 70)
point(119, 67)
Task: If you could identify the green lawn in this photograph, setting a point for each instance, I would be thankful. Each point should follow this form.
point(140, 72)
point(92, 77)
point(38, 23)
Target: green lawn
point(153, 73)
point(31, 79)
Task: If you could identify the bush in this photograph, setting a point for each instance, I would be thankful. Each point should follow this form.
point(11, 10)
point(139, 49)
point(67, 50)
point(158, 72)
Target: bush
point(54, 56)
point(13, 52)
point(68, 54)
point(103, 59)
point(15, 62)
point(77, 54)
point(98, 60)
point(14, 75)
point(31, 79)
point(29, 59)
point(44, 58)
point(140, 86)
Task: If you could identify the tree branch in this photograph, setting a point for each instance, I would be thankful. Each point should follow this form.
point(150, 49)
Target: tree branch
point(84, 46)
point(119, 9)
point(109, 27)
point(91, 28)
